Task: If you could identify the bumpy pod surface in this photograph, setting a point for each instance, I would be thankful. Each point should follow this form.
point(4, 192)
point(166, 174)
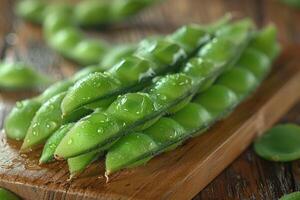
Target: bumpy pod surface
point(161, 99)
point(212, 104)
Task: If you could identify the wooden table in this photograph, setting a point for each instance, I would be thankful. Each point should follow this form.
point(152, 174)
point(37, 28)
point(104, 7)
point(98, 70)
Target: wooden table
point(249, 177)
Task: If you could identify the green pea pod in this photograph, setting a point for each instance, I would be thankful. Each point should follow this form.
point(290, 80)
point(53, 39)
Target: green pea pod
point(93, 12)
point(140, 142)
point(60, 23)
point(19, 119)
point(155, 103)
point(85, 13)
point(197, 113)
point(218, 100)
point(243, 77)
point(264, 42)
point(116, 54)
point(63, 36)
point(150, 59)
point(20, 76)
point(52, 91)
point(85, 72)
point(164, 129)
point(89, 51)
point(78, 164)
point(65, 39)
point(124, 8)
point(46, 121)
point(254, 61)
point(8, 195)
point(31, 10)
point(52, 142)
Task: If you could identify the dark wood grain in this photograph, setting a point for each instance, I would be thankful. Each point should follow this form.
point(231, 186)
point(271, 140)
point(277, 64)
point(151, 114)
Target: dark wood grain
point(248, 177)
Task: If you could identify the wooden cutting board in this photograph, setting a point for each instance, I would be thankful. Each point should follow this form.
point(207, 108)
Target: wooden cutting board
point(179, 174)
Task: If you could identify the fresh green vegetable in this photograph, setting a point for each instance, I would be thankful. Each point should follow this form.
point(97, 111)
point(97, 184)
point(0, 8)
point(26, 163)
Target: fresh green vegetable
point(123, 115)
point(101, 88)
point(60, 22)
point(52, 142)
point(213, 104)
point(280, 143)
point(16, 76)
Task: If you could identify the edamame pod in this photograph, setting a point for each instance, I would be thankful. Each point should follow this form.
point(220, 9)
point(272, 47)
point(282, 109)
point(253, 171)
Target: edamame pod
point(85, 13)
point(140, 142)
point(18, 121)
point(63, 86)
point(78, 164)
point(264, 42)
point(46, 121)
point(160, 97)
point(150, 59)
point(52, 142)
point(218, 101)
point(31, 10)
point(15, 125)
point(254, 61)
point(243, 77)
point(60, 23)
point(14, 76)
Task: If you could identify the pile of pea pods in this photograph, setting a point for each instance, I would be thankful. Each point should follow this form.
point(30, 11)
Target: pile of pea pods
point(169, 89)
point(61, 25)
point(19, 76)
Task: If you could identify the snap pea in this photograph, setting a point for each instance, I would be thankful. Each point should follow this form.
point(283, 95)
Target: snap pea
point(60, 23)
point(31, 10)
point(17, 75)
point(19, 119)
point(280, 143)
point(164, 94)
point(45, 122)
point(105, 85)
point(8, 195)
point(152, 58)
point(213, 104)
point(79, 163)
point(265, 42)
point(85, 13)
point(51, 144)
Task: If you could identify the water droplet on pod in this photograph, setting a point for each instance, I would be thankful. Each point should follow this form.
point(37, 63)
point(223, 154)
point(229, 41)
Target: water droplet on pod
point(19, 104)
point(70, 141)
